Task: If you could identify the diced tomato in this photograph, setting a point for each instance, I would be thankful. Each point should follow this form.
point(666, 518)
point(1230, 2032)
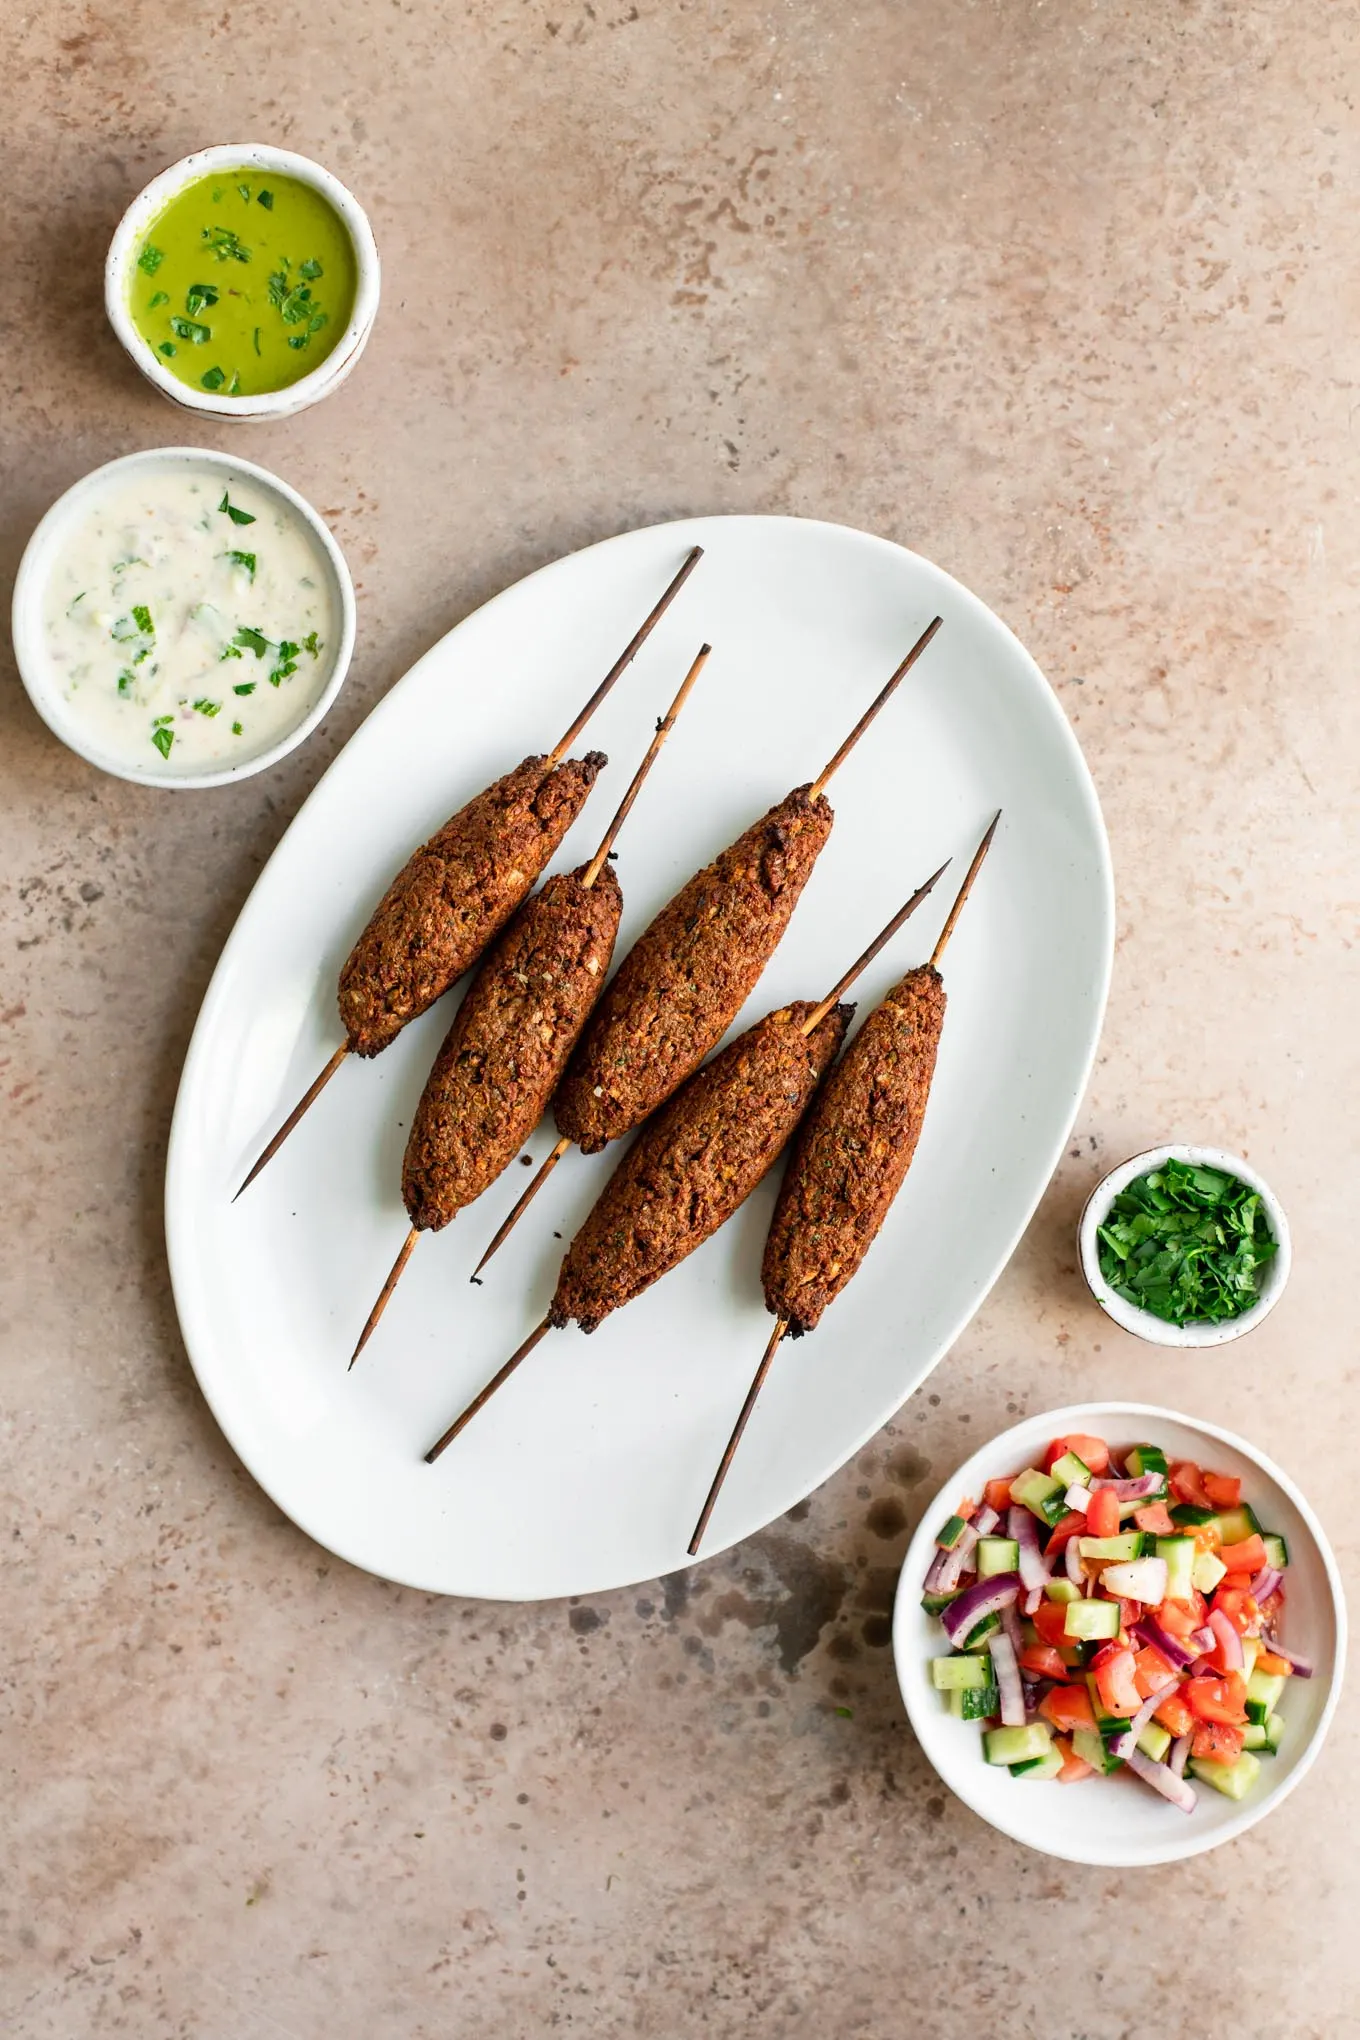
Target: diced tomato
point(1181, 1618)
point(1151, 1670)
point(1073, 1766)
point(1249, 1556)
point(1043, 1661)
point(997, 1495)
point(1187, 1484)
point(1277, 1667)
point(1102, 1518)
point(1217, 1739)
point(1068, 1707)
point(1223, 1490)
point(967, 1508)
point(1207, 1536)
point(1214, 1699)
point(1113, 1669)
point(1175, 1715)
point(1157, 1519)
point(1093, 1453)
point(1063, 1530)
point(1050, 1619)
point(1239, 1607)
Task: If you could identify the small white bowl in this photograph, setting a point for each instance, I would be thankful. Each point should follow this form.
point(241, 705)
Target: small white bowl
point(36, 565)
point(1143, 1323)
point(1117, 1822)
point(150, 203)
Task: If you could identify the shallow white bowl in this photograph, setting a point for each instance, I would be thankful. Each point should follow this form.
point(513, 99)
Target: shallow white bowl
point(1142, 1323)
point(1118, 1822)
point(151, 202)
point(36, 564)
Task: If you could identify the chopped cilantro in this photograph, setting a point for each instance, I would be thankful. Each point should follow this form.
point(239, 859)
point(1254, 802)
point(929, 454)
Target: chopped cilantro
point(311, 270)
point(150, 259)
point(162, 297)
point(125, 680)
point(1187, 1244)
point(189, 329)
point(236, 729)
point(167, 348)
point(252, 641)
point(163, 739)
point(225, 245)
point(244, 190)
point(213, 379)
point(232, 652)
point(266, 199)
point(236, 516)
point(206, 707)
point(243, 559)
point(198, 296)
point(282, 673)
point(246, 687)
point(312, 643)
point(141, 616)
point(161, 721)
point(257, 339)
point(287, 650)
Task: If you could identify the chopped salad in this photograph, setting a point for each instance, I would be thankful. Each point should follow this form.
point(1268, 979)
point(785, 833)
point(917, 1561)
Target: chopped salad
point(1108, 1614)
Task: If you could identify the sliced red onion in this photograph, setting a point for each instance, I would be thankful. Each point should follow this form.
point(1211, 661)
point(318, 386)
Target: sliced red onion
point(985, 1521)
point(957, 1559)
point(1034, 1567)
point(1229, 1642)
point(931, 1582)
point(983, 1598)
point(1164, 1780)
point(1033, 1599)
point(1266, 1582)
point(1010, 1623)
point(1177, 1755)
point(1078, 1498)
point(1149, 1630)
point(1124, 1743)
point(1204, 1640)
point(1139, 1490)
point(1303, 1667)
point(1072, 1562)
point(1007, 1680)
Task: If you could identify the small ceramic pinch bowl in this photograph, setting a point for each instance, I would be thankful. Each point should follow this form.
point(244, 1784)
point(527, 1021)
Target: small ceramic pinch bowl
point(1142, 1323)
point(40, 562)
point(1118, 1822)
point(132, 230)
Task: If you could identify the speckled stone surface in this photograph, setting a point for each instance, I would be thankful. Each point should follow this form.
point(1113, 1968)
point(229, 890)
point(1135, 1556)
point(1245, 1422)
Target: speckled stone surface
point(1065, 295)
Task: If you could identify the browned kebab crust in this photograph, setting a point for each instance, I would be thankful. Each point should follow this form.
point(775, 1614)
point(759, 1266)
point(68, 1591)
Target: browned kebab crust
point(454, 895)
point(693, 1164)
point(852, 1152)
point(689, 974)
point(510, 1039)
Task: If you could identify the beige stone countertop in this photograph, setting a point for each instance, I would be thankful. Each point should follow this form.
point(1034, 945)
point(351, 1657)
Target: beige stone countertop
point(1063, 293)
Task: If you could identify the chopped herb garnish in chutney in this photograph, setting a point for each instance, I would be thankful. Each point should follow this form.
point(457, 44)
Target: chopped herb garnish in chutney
point(236, 516)
point(285, 279)
point(243, 559)
point(163, 739)
point(1187, 1243)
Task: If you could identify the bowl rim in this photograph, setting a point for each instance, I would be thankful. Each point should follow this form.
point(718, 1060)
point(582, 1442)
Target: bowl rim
point(152, 199)
point(1142, 1323)
point(31, 577)
point(1181, 1844)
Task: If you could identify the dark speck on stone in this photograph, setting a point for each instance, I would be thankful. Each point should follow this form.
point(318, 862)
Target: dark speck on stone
point(584, 1620)
point(90, 892)
point(799, 1513)
point(675, 1592)
point(935, 1808)
point(498, 1731)
point(645, 1609)
point(887, 1518)
point(877, 1631)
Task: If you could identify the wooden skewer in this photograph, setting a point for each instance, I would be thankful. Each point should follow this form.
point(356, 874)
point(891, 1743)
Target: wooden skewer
point(522, 1203)
point(592, 872)
point(884, 936)
point(459, 1422)
point(635, 644)
point(782, 1324)
point(555, 757)
point(860, 963)
point(983, 847)
point(385, 1293)
point(309, 1095)
point(720, 1476)
point(838, 759)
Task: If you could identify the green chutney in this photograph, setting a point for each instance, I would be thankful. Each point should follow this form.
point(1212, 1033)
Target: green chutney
point(245, 283)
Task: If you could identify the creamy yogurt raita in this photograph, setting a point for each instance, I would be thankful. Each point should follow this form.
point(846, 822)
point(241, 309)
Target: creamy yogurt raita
point(189, 615)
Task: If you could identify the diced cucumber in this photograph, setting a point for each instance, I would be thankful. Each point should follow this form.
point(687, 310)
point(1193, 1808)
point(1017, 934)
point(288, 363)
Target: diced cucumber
point(948, 1672)
point(996, 1555)
point(976, 1638)
point(974, 1703)
point(1277, 1551)
point(1179, 1553)
point(1236, 1525)
point(1128, 1544)
point(1206, 1572)
point(1254, 1736)
point(1031, 1489)
point(1263, 1736)
point(1039, 1767)
point(1233, 1780)
point(1190, 1516)
point(1069, 1471)
point(1263, 1694)
point(1274, 1733)
point(952, 1532)
point(1251, 1650)
point(1086, 1620)
point(1017, 1745)
point(935, 1604)
point(1093, 1750)
point(1061, 1590)
point(1155, 1741)
point(1146, 1459)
